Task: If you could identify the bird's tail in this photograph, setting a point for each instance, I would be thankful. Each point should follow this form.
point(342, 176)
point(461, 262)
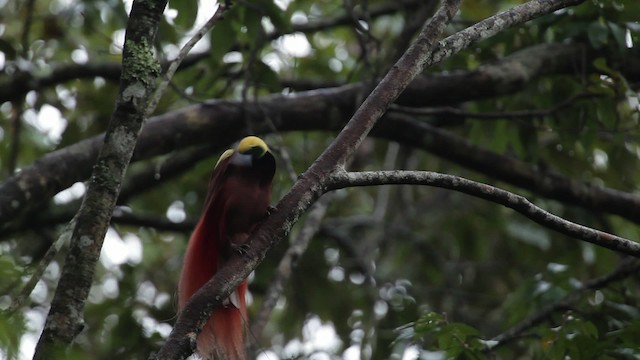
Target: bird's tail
point(222, 337)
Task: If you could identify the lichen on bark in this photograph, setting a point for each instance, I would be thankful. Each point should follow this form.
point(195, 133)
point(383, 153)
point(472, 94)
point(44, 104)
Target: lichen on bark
point(143, 66)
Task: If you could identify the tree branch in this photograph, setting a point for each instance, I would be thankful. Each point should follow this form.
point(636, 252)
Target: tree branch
point(136, 182)
point(137, 99)
point(160, 171)
point(516, 202)
point(315, 180)
point(305, 191)
point(220, 122)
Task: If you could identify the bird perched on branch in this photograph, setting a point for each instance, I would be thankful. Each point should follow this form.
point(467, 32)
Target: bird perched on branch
point(238, 198)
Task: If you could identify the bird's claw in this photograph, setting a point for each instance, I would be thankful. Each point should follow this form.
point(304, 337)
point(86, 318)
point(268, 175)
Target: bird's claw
point(240, 249)
point(270, 210)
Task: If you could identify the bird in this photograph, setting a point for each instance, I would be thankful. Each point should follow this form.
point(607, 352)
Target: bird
point(238, 198)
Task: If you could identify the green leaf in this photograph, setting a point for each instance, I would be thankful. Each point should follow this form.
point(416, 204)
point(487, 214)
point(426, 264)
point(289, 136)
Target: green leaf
point(223, 37)
point(8, 50)
point(265, 76)
point(276, 15)
point(187, 12)
point(12, 327)
point(619, 34)
point(428, 322)
point(601, 64)
point(557, 349)
point(9, 270)
point(598, 34)
point(253, 23)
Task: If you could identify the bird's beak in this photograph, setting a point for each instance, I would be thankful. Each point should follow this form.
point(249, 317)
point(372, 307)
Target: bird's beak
point(227, 153)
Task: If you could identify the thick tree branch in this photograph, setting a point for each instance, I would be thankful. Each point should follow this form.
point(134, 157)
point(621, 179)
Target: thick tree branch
point(137, 99)
point(516, 202)
point(160, 171)
point(221, 122)
point(137, 83)
point(306, 190)
point(155, 173)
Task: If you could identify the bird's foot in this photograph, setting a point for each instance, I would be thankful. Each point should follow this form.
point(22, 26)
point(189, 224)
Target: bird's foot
point(240, 249)
point(270, 210)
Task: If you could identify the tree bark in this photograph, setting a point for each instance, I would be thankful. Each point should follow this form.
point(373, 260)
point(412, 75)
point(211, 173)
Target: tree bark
point(137, 82)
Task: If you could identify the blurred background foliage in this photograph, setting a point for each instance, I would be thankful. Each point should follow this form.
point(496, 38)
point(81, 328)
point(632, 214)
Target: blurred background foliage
point(394, 272)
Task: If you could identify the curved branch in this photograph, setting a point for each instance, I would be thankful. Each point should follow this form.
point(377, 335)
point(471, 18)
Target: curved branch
point(516, 202)
point(155, 173)
point(17, 86)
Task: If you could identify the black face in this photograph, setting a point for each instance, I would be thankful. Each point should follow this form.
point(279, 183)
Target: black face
point(255, 151)
point(265, 166)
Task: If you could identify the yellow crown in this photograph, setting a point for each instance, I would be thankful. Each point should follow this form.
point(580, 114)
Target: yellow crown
point(252, 145)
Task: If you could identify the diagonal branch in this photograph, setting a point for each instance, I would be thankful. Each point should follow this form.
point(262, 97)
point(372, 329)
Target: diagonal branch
point(306, 190)
point(314, 181)
point(516, 202)
point(39, 269)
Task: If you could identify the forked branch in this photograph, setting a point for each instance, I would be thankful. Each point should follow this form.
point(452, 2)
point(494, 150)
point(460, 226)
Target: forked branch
point(315, 181)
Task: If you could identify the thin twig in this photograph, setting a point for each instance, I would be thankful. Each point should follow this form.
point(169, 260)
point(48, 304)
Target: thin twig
point(18, 103)
point(26, 28)
point(53, 250)
point(16, 129)
point(493, 115)
point(175, 63)
point(288, 262)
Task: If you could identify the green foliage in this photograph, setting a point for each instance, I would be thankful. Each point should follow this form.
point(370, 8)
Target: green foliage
point(12, 326)
point(451, 340)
